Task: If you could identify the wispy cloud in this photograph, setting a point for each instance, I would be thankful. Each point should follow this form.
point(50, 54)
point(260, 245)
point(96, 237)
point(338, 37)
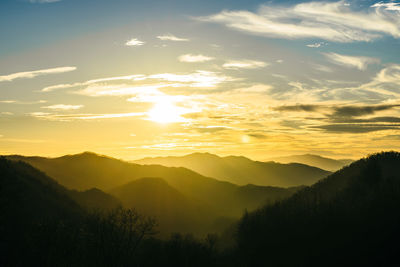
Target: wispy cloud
point(134, 42)
point(333, 21)
point(101, 80)
point(316, 45)
point(69, 117)
point(64, 107)
point(170, 37)
point(22, 102)
point(386, 82)
point(135, 84)
point(244, 64)
point(199, 78)
point(18, 140)
point(338, 110)
point(190, 58)
point(299, 108)
point(360, 63)
point(346, 118)
point(388, 6)
point(254, 89)
point(43, 1)
point(35, 73)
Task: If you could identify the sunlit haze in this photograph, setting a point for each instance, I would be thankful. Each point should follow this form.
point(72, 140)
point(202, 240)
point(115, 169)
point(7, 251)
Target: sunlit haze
point(133, 79)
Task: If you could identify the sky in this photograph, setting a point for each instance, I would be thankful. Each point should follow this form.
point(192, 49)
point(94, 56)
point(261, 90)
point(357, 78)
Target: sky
point(133, 79)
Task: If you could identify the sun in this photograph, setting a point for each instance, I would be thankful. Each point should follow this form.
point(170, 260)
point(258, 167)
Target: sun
point(166, 112)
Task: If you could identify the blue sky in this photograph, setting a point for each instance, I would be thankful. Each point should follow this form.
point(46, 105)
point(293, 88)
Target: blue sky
point(148, 78)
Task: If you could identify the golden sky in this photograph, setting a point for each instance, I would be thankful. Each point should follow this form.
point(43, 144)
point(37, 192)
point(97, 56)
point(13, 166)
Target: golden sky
point(257, 79)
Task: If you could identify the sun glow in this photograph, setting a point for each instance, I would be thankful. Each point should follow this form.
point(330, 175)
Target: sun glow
point(167, 112)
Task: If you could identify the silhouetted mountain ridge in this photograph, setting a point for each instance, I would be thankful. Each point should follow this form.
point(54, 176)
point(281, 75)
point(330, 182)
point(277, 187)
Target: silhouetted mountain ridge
point(314, 160)
point(241, 170)
point(209, 197)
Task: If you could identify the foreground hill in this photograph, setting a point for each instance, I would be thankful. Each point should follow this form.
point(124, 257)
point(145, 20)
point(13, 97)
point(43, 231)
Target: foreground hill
point(315, 160)
point(218, 198)
point(173, 211)
point(350, 218)
point(29, 200)
point(44, 224)
point(242, 171)
point(32, 193)
point(29, 195)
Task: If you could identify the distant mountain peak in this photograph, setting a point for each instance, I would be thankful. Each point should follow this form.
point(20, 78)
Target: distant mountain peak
point(202, 154)
point(313, 160)
point(84, 154)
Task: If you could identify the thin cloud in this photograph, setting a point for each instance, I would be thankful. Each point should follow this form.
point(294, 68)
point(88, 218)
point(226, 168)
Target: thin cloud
point(170, 37)
point(244, 64)
point(388, 6)
point(316, 45)
point(190, 58)
point(63, 117)
point(18, 102)
point(360, 63)
point(72, 85)
point(64, 107)
point(357, 129)
point(254, 89)
point(386, 82)
point(333, 21)
point(199, 78)
point(343, 118)
point(43, 1)
point(299, 107)
point(134, 42)
point(135, 84)
point(35, 73)
point(337, 111)
point(356, 111)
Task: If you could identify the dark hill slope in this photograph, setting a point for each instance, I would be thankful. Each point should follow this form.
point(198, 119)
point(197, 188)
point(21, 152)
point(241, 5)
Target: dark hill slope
point(350, 218)
point(28, 198)
point(173, 211)
point(27, 194)
point(42, 225)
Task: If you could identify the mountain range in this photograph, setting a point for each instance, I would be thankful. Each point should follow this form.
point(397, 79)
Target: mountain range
point(349, 218)
point(178, 197)
point(241, 170)
point(314, 160)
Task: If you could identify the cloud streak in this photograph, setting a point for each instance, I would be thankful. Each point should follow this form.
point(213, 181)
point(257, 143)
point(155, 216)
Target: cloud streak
point(35, 73)
point(43, 1)
point(388, 6)
point(170, 37)
point(360, 63)
point(63, 107)
point(139, 84)
point(244, 64)
point(134, 42)
point(18, 102)
point(316, 45)
point(333, 21)
point(64, 117)
point(190, 58)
